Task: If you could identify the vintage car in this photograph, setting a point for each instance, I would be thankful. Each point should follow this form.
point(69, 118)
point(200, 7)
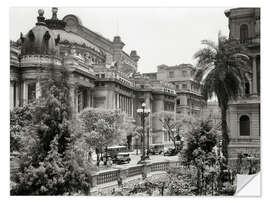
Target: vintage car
point(155, 150)
point(112, 151)
point(170, 152)
point(121, 158)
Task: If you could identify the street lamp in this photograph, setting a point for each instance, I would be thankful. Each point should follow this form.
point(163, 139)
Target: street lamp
point(143, 112)
point(137, 143)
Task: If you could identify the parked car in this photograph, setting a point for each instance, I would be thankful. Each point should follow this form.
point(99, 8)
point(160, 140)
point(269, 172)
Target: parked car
point(155, 150)
point(112, 151)
point(170, 152)
point(121, 158)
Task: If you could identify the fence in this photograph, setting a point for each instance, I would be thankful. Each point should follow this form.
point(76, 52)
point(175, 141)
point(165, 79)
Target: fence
point(135, 170)
point(159, 166)
point(114, 174)
point(107, 176)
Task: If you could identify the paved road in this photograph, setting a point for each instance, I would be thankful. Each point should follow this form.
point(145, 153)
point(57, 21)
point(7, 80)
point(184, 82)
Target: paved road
point(135, 158)
point(153, 158)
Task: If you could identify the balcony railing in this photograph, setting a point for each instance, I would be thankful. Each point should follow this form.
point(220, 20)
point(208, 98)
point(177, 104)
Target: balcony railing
point(252, 40)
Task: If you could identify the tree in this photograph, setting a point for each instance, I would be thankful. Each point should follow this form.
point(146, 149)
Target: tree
point(127, 128)
point(48, 165)
point(174, 124)
point(100, 128)
point(168, 122)
point(200, 142)
point(222, 71)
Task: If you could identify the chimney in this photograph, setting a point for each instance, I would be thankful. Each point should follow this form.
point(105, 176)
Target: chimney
point(134, 56)
point(117, 43)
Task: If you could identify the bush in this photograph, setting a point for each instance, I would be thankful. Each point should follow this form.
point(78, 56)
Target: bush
point(20, 119)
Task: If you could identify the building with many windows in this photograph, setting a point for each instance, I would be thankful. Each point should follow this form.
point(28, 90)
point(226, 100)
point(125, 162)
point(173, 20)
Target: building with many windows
point(189, 99)
point(102, 74)
point(244, 114)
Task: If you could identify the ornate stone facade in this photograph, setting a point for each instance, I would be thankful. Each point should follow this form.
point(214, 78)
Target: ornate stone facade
point(102, 75)
point(244, 115)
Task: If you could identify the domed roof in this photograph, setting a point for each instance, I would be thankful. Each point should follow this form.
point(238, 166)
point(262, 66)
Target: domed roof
point(72, 38)
point(40, 40)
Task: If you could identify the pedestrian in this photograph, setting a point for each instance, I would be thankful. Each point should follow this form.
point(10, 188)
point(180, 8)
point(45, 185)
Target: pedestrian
point(110, 161)
point(89, 155)
point(162, 188)
point(120, 181)
point(101, 163)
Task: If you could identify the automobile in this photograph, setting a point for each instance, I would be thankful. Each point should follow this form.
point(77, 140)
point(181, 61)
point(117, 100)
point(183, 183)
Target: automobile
point(121, 158)
point(155, 150)
point(170, 152)
point(112, 151)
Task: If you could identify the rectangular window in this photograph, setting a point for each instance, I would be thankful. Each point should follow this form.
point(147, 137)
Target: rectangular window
point(102, 75)
point(85, 98)
point(184, 73)
point(178, 101)
point(31, 92)
point(14, 94)
point(177, 87)
point(171, 74)
point(184, 86)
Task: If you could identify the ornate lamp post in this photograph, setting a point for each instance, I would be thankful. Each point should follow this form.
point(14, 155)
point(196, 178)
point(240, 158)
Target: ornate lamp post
point(137, 143)
point(143, 112)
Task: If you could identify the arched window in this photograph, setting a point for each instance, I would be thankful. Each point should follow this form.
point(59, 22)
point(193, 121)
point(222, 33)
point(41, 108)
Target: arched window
point(46, 38)
point(31, 92)
point(244, 33)
point(244, 126)
point(247, 92)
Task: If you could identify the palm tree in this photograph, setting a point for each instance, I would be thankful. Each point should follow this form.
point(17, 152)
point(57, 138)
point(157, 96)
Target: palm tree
point(222, 71)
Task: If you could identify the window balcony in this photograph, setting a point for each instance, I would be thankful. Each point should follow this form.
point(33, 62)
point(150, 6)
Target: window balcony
point(251, 41)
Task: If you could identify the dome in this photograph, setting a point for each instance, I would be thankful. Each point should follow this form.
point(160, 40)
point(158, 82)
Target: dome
point(72, 38)
point(40, 40)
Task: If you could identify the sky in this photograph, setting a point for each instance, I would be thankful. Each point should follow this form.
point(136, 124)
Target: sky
point(168, 36)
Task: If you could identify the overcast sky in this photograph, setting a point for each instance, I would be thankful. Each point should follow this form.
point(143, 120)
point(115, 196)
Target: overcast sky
point(160, 35)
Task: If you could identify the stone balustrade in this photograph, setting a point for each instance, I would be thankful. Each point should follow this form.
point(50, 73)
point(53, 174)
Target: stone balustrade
point(112, 175)
point(107, 176)
point(38, 60)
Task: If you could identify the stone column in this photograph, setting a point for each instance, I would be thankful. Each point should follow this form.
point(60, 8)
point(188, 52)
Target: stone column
point(11, 95)
point(254, 76)
point(120, 102)
point(92, 99)
point(72, 100)
point(125, 104)
point(25, 91)
point(38, 90)
point(76, 105)
point(129, 112)
point(17, 96)
point(115, 100)
point(132, 108)
point(89, 97)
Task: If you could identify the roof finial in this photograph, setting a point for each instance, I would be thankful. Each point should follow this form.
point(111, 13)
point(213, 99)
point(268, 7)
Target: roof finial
point(54, 13)
point(40, 18)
